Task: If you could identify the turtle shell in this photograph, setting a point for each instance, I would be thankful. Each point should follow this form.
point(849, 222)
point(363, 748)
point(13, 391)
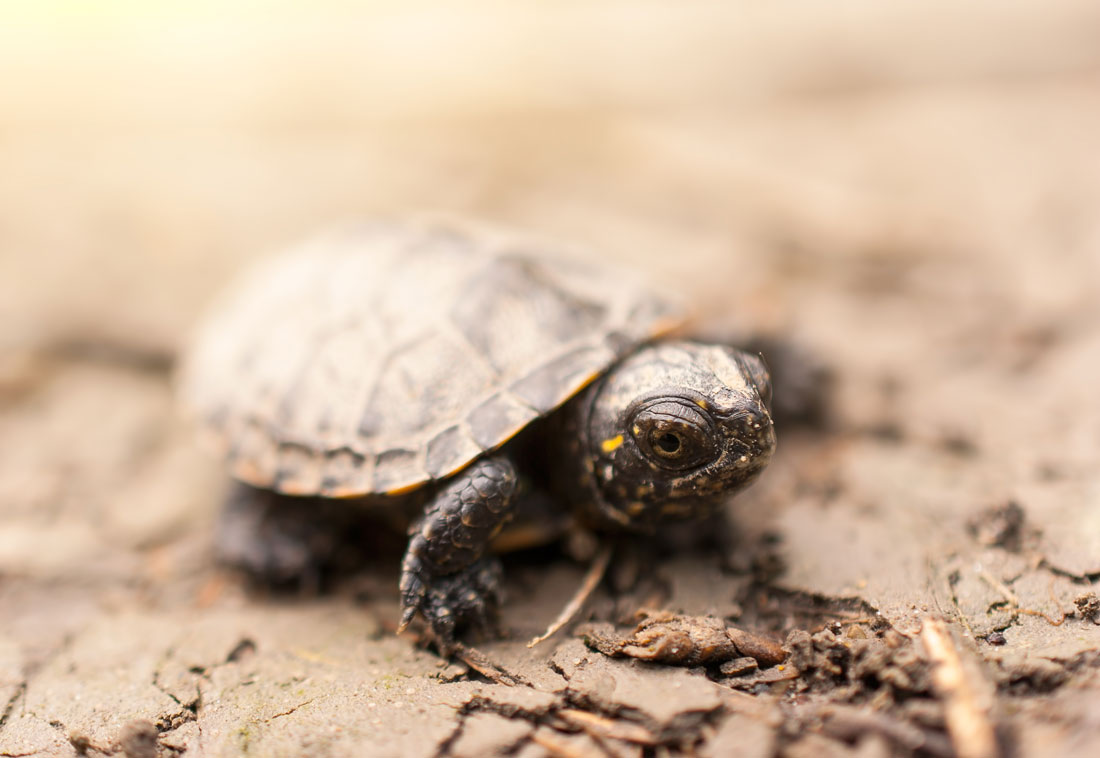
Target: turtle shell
point(380, 357)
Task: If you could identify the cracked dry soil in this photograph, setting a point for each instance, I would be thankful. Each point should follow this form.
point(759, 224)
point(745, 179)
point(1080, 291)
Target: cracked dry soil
point(927, 553)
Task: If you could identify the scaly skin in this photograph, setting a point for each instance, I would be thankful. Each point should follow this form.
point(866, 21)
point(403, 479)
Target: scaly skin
point(444, 575)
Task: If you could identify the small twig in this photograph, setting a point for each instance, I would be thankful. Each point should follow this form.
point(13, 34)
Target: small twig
point(1014, 601)
point(1057, 604)
point(968, 721)
point(598, 726)
point(1000, 586)
point(558, 748)
point(1044, 616)
point(591, 580)
point(483, 665)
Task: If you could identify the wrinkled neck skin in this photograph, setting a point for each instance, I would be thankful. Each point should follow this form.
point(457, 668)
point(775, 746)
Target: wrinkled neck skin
point(607, 444)
point(571, 475)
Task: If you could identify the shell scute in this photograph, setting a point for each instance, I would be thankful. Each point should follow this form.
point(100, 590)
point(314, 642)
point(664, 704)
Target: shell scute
point(380, 357)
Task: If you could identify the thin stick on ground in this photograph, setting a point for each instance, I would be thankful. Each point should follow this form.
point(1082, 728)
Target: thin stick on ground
point(485, 666)
point(968, 720)
point(1014, 601)
point(559, 748)
point(591, 580)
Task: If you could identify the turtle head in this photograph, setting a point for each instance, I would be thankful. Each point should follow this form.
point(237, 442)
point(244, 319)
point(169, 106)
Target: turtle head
point(674, 428)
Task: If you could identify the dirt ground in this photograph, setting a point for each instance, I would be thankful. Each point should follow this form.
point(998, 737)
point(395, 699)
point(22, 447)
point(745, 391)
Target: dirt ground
point(907, 194)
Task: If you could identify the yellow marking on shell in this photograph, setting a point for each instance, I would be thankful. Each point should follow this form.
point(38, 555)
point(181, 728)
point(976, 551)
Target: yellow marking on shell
point(507, 438)
point(702, 404)
point(612, 444)
point(635, 508)
point(404, 489)
point(296, 488)
point(452, 472)
point(344, 492)
point(588, 380)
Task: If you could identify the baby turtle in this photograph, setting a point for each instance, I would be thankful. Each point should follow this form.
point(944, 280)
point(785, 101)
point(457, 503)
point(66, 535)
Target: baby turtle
point(452, 372)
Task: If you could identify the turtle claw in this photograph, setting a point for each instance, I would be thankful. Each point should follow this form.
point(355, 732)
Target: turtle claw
point(406, 618)
point(412, 593)
point(467, 598)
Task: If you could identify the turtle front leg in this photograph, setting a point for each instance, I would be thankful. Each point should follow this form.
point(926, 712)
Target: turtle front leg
point(444, 575)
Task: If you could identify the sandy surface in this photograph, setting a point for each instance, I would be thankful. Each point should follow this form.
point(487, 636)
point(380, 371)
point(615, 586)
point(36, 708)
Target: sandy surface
point(910, 196)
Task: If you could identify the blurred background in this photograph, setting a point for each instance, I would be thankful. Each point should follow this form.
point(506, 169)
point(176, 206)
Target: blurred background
point(740, 148)
point(908, 190)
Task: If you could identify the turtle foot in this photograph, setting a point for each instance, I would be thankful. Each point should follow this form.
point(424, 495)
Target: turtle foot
point(465, 599)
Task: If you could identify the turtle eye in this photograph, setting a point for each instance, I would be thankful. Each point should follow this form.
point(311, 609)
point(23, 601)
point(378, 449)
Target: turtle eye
point(667, 443)
point(674, 433)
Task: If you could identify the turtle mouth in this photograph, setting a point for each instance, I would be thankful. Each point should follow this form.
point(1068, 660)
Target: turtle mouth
point(606, 517)
point(649, 517)
point(617, 518)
